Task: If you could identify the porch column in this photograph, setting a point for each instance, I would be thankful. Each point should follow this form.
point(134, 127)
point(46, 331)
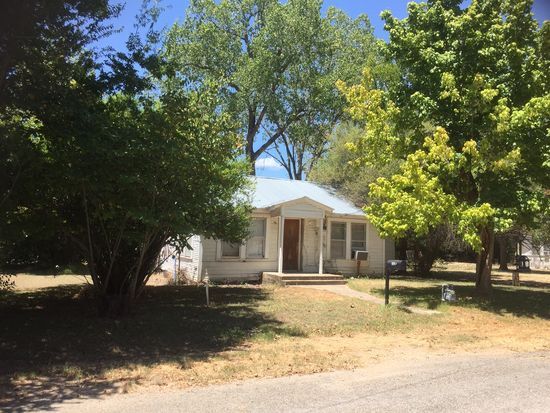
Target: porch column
point(280, 245)
point(321, 245)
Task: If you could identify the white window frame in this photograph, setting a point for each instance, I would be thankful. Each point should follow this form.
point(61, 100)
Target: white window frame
point(348, 222)
point(187, 253)
point(222, 257)
point(357, 240)
point(264, 255)
point(242, 249)
point(346, 225)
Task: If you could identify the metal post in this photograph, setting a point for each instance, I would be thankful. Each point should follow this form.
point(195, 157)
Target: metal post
point(387, 287)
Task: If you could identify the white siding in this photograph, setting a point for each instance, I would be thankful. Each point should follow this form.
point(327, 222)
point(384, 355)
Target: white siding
point(189, 265)
point(302, 210)
point(241, 269)
point(310, 246)
point(375, 261)
point(539, 259)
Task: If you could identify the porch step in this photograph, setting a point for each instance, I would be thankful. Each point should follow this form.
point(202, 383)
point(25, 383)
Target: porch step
point(302, 279)
point(315, 282)
point(310, 277)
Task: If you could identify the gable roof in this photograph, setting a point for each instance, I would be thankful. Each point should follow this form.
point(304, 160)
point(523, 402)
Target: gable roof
point(270, 192)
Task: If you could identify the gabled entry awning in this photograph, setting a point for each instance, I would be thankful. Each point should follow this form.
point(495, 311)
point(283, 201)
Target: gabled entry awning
point(289, 239)
point(300, 208)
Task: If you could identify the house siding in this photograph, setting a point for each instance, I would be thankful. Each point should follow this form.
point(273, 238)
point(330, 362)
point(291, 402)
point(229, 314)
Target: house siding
point(310, 246)
point(189, 265)
point(241, 269)
point(375, 247)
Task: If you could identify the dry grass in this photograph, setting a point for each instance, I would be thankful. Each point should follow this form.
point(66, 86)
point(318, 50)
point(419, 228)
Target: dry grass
point(54, 347)
point(513, 318)
point(28, 282)
point(51, 338)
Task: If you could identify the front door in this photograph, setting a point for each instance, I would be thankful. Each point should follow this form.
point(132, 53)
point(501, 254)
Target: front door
point(291, 242)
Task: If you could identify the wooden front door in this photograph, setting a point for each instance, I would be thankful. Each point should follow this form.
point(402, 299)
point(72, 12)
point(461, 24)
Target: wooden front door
point(291, 245)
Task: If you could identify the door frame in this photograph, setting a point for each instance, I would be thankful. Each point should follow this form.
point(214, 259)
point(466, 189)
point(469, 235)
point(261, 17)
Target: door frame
point(298, 244)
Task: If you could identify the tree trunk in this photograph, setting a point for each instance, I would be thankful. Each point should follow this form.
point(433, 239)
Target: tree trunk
point(129, 275)
point(114, 305)
point(250, 156)
point(485, 260)
point(502, 253)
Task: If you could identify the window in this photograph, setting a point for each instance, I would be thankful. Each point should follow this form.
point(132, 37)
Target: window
point(358, 238)
point(187, 252)
point(337, 240)
point(255, 245)
point(230, 250)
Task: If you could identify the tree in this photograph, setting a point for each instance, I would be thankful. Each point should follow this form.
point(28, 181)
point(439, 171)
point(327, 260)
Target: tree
point(279, 62)
point(160, 171)
point(469, 123)
point(44, 55)
point(120, 166)
point(338, 169)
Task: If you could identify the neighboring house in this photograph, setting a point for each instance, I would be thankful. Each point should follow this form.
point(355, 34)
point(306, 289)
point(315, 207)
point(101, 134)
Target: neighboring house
point(296, 226)
point(539, 258)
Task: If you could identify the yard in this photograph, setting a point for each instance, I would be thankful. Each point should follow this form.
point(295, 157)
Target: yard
point(53, 346)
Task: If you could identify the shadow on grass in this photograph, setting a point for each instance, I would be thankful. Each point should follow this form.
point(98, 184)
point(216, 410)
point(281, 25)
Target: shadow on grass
point(53, 341)
point(497, 279)
point(521, 302)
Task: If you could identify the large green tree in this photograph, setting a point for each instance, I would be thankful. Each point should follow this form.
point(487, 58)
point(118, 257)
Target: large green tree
point(117, 163)
point(339, 169)
point(279, 62)
point(42, 48)
point(469, 122)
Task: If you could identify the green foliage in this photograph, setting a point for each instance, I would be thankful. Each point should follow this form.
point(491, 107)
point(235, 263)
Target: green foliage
point(279, 62)
point(338, 167)
point(469, 122)
point(45, 90)
point(114, 175)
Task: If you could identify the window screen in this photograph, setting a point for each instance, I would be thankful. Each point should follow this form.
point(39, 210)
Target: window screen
point(255, 245)
point(338, 240)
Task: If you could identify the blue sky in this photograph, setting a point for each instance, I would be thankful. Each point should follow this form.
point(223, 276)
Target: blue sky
point(175, 11)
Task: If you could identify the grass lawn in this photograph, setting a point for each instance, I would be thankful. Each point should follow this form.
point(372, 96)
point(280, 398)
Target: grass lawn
point(52, 342)
point(531, 299)
point(53, 346)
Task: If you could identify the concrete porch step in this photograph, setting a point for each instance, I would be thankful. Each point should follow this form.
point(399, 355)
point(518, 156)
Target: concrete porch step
point(302, 279)
point(310, 277)
point(315, 282)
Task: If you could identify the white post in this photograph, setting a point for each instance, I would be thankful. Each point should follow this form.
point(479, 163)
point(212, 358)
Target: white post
point(175, 278)
point(321, 246)
point(280, 245)
point(206, 284)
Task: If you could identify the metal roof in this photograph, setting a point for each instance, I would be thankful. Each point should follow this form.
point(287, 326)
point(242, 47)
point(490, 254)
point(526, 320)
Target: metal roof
point(270, 192)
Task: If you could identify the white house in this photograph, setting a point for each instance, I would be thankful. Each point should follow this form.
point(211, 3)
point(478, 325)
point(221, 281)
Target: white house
point(539, 257)
point(296, 227)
